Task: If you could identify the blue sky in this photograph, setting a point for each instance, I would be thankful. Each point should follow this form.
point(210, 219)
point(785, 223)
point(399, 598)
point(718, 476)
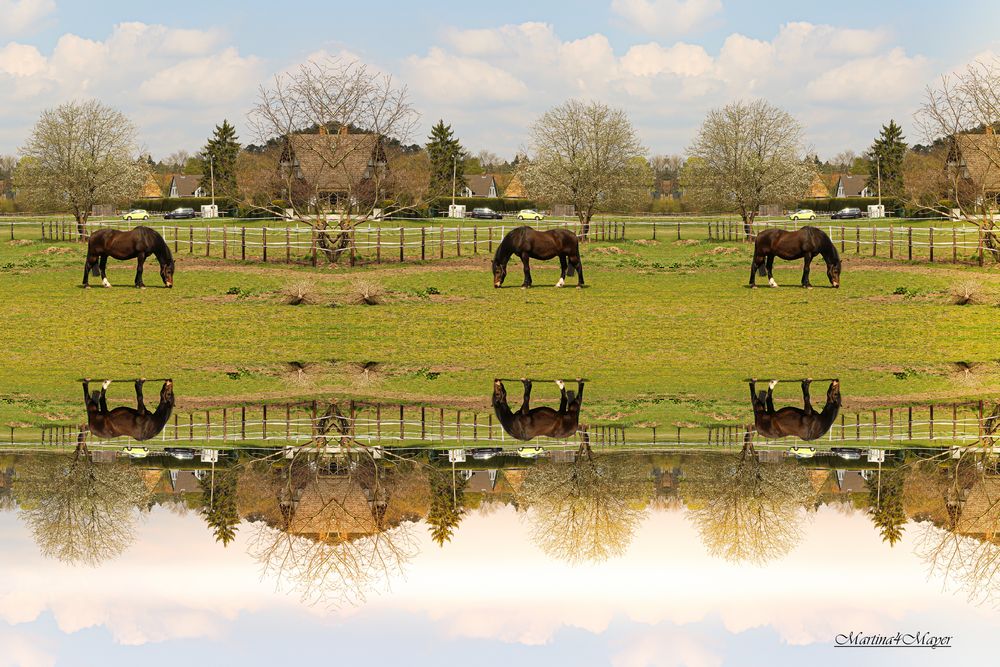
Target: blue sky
point(491, 68)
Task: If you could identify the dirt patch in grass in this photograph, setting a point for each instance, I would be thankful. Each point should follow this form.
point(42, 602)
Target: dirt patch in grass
point(20, 242)
point(609, 250)
point(57, 250)
point(646, 242)
point(687, 242)
point(722, 250)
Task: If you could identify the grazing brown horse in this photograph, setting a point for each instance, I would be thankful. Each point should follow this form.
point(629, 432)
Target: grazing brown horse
point(138, 243)
point(805, 243)
point(526, 423)
point(139, 424)
point(528, 243)
point(806, 424)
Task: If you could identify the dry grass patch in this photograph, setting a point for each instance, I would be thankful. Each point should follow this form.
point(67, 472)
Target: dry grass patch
point(366, 292)
point(300, 293)
point(966, 293)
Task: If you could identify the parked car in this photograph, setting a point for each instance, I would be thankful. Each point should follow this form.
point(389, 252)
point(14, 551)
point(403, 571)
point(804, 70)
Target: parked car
point(135, 452)
point(486, 214)
point(847, 453)
point(486, 453)
point(847, 214)
point(136, 214)
point(181, 453)
point(803, 214)
point(530, 452)
point(529, 214)
point(802, 452)
point(180, 214)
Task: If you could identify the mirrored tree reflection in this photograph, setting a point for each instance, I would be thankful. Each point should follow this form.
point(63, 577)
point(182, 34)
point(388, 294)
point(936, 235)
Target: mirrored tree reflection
point(960, 535)
point(885, 504)
point(746, 510)
point(333, 531)
point(586, 510)
point(78, 511)
point(221, 509)
point(447, 504)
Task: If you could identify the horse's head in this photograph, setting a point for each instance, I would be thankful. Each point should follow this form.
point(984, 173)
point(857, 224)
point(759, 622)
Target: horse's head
point(167, 392)
point(499, 273)
point(833, 393)
point(499, 393)
point(833, 273)
point(167, 273)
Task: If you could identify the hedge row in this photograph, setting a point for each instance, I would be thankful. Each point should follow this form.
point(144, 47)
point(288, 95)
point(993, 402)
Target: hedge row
point(164, 204)
point(830, 204)
point(500, 204)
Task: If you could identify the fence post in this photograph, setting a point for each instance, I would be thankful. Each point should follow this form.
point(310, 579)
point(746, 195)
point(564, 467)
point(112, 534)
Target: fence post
point(843, 239)
point(709, 230)
point(401, 242)
point(313, 243)
point(874, 241)
point(857, 240)
point(458, 240)
point(891, 243)
point(350, 242)
point(678, 230)
point(12, 231)
point(954, 245)
point(490, 234)
point(225, 240)
point(378, 244)
point(423, 243)
point(288, 245)
point(475, 239)
point(243, 243)
point(980, 246)
point(654, 230)
point(623, 231)
point(930, 241)
point(441, 241)
point(191, 240)
point(263, 241)
point(909, 243)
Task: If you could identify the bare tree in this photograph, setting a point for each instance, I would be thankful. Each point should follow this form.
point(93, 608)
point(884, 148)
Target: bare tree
point(962, 113)
point(79, 511)
point(177, 160)
point(80, 154)
point(747, 154)
point(489, 161)
point(746, 511)
point(666, 167)
point(8, 163)
point(329, 124)
point(844, 160)
point(587, 510)
point(587, 155)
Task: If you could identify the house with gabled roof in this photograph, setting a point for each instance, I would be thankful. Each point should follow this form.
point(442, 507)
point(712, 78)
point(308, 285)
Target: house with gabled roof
point(480, 185)
point(977, 156)
point(186, 185)
point(850, 185)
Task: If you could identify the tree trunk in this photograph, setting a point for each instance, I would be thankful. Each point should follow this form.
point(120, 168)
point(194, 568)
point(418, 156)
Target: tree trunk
point(748, 218)
point(584, 224)
point(81, 224)
point(332, 242)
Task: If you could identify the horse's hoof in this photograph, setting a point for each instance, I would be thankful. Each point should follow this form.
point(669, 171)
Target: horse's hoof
point(560, 384)
point(107, 383)
point(772, 384)
point(579, 286)
point(86, 286)
point(753, 287)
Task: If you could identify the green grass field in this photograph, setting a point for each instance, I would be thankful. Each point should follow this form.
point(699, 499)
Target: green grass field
point(664, 329)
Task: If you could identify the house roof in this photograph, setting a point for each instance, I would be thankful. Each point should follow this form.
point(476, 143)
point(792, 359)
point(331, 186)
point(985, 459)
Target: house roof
point(514, 187)
point(185, 481)
point(333, 509)
point(981, 512)
point(980, 157)
point(853, 185)
point(480, 184)
point(186, 184)
point(333, 162)
point(817, 188)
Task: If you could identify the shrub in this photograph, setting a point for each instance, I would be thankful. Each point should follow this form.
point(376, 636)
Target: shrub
point(966, 293)
point(366, 292)
point(300, 293)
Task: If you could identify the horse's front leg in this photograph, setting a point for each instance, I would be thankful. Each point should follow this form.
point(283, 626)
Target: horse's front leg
point(769, 399)
point(563, 264)
point(104, 395)
point(527, 396)
point(103, 265)
point(527, 271)
point(805, 271)
point(806, 402)
point(563, 400)
point(754, 267)
point(140, 405)
point(138, 271)
point(770, 271)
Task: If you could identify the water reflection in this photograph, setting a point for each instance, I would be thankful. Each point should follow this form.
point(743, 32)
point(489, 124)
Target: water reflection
point(138, 423)
point(529, 423)
point(804, 423)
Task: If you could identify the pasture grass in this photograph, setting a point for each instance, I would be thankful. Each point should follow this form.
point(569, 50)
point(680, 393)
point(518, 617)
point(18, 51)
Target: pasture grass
point(666, 331)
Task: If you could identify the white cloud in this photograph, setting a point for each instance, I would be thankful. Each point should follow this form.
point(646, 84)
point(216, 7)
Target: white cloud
point(214, 79)
point(20, 16)
point(885, 78)
point(665, 17)
point(463, 79)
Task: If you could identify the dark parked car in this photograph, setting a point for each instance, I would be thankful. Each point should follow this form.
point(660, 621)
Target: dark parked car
point(182, 453)
point(847, 214)
point(486, 453)
point(486, 214)
point(180, 214)
point(847, 453)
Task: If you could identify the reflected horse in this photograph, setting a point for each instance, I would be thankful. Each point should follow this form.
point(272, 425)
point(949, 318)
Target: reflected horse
point(528, 243)
point(138, 243)
point(139, 424)
point(805, 244)
point(806, 423)
point(527, 423)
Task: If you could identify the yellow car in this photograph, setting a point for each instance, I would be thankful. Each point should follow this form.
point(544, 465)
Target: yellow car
point(530, 452)
point(136, 214)
point(802, 452)
point(135, 452)
point(803, 214)
point(529, 214)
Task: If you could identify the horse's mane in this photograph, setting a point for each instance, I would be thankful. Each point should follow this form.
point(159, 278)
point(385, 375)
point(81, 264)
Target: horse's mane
point(506, 247)
point(829, 250)
point(161, 249)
